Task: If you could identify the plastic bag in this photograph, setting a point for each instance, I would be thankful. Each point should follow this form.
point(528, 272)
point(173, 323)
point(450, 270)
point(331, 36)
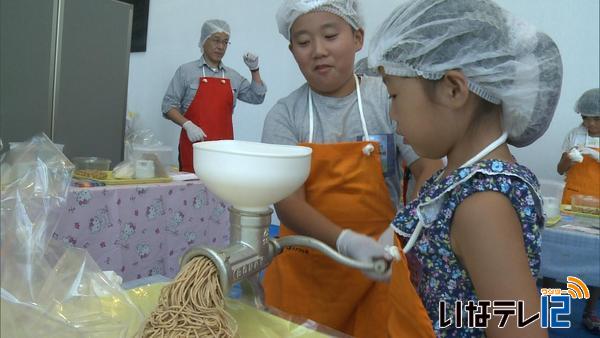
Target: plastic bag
point(49, 290)
point(140, 142)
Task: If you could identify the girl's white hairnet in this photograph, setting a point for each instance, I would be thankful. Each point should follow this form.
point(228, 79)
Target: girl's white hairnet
point(589, 103)
point(290, 10)
point(211, 27)
point(506, 61)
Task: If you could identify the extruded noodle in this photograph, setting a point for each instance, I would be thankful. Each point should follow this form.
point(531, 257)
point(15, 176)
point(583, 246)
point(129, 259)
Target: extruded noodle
point(192, 305)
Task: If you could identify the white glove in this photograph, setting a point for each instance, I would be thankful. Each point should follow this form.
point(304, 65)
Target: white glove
point(194, 132)
point(251, 61)
point(590, 152)
point(387, 241)
point(362, 248)
point(575, 156)
point(387, 237)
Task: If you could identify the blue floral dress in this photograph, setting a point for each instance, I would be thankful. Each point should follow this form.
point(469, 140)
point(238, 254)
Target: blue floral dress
point(440, 276)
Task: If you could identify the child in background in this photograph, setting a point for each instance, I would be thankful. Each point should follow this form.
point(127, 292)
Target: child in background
point(581, 164)
point(580, 160)
point(351, 194)
point(465, 78)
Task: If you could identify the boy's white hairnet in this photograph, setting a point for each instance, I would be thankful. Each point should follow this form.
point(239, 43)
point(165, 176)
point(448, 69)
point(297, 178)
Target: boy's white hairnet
point(589, 103)
point(211, 27)
point(506, 60)
point(290, 10)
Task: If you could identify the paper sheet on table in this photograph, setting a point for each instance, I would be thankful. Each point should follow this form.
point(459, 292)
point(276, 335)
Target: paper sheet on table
point(592, 231)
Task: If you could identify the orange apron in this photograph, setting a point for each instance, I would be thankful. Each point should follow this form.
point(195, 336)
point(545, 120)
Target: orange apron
point(346, 186)
point(583, 178)
point(212, 110)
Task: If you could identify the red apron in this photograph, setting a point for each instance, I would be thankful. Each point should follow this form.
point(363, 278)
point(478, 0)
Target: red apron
point(212, 110)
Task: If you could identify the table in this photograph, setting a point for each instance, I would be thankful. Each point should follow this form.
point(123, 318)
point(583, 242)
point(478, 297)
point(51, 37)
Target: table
point(142, 230)
point(571, 253)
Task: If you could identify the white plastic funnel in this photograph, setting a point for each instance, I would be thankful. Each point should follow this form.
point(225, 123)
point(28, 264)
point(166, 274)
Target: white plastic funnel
point(250, 175)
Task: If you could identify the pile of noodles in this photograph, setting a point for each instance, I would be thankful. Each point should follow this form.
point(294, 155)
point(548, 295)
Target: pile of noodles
point(192, 305)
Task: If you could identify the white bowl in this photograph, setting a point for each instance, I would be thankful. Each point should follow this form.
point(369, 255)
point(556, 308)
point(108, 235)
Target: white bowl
point(250, 175)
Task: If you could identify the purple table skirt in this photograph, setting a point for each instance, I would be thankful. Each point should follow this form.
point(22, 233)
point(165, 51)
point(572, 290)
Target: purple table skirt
point(142, 230)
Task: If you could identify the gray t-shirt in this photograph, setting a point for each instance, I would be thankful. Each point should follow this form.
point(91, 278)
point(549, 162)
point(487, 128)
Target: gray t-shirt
point(184, 84)
point(337, 120)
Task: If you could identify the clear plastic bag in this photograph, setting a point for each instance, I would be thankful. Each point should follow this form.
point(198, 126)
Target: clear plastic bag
point(49, 290)
point(140, 142)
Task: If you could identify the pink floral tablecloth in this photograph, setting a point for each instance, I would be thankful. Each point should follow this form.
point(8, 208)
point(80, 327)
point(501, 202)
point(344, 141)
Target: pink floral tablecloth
point(142, 230)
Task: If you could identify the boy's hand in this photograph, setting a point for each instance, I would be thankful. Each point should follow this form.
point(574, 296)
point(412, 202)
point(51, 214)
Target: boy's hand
point(575, 155)
point(364, 249)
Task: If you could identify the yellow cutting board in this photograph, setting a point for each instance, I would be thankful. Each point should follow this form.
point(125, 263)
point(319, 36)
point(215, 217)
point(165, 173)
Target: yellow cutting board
point(107, 178)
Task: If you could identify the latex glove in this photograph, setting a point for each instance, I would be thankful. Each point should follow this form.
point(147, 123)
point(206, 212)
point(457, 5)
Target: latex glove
point(362, 248)
point(251, 61)
point(590, 152)
point(387, 237)
point(194, 132)
point(387, 241)
point(575, 155)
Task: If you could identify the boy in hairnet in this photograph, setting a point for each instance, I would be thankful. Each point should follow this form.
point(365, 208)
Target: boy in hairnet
point(466, 79)
point(203, 93)
point(581, 164)
point(352, 192)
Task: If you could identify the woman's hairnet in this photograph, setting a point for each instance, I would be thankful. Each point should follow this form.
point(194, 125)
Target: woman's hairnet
point(506, 60)
point(211, 27)
point(589, 103)
point(290, 10)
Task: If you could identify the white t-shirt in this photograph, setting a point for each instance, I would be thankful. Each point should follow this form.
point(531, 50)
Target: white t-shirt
point(579, 137)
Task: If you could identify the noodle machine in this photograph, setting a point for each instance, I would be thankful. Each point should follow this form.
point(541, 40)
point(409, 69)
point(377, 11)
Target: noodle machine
point(251, 176)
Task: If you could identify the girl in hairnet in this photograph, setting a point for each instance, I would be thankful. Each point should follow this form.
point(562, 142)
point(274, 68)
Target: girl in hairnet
point(581, 164)
point(466, 79)
point(351, 194)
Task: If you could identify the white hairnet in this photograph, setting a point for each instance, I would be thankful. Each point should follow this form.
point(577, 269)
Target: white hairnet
point(506, 61)
point(290, 10)
point(589, 103)
point(362, 67)
point(211, 27)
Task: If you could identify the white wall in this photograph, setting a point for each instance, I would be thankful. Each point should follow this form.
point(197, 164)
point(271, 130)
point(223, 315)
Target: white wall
point(174, 30)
